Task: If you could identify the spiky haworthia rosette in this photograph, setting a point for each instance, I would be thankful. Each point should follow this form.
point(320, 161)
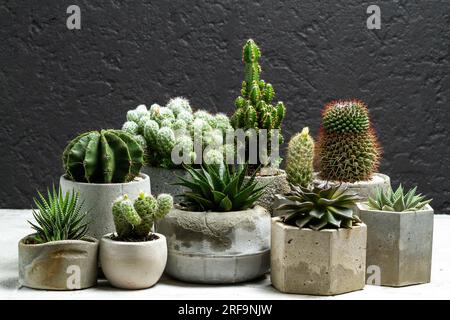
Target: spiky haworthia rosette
point(254, 109)
point(134, 220)
point(300, 156)
point(318, 208)
point(106, 156)
point(347, 148)
point(397, 200)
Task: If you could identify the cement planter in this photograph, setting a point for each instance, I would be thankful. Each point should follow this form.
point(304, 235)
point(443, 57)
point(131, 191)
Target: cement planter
point(133, 265)
point(326, 262)
point(399, 245)
point(363, 188)
point(217, 247)
point(98, 199)
point(162, 180)
point(276, 183)
point(58, 265)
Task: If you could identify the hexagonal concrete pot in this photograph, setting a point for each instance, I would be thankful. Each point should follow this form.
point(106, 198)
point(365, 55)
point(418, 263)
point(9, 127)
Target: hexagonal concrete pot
point(275, 182)
point(162, 179)
point(363, 188)
point(326, 262)
point(133, 265)
point(399, 246)
point(98, 199)
point(58, 265)
point(217, 247)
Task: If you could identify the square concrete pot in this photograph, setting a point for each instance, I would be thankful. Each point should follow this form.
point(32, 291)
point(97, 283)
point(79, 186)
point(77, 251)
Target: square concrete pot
point(326, 262)
point(399, 246)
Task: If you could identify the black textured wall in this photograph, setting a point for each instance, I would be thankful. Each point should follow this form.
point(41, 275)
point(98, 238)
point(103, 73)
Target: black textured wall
point(56, 83)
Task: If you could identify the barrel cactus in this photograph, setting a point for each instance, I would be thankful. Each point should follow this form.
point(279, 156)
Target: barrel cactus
point(172, 129)
point(254, 109)
point(134, 219)
point(300, 156)
point(106, 156)
point(347, 148)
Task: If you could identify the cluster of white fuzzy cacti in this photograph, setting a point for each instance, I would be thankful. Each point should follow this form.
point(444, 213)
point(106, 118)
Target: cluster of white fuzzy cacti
point(174, 129)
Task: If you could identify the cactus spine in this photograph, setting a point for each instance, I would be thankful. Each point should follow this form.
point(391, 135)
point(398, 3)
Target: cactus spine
point(300, 156)
point(348, 149)
point(134, 220)
point(106, 156)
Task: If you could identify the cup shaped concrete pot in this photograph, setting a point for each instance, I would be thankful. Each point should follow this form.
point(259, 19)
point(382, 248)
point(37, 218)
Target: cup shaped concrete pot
point(399, 246)
point(325, 262)
point(163, 179)
point(363, 188)
point(98, 199)
point(217, 247)
point(58, 265)
point(133, 265)
point(275, 181)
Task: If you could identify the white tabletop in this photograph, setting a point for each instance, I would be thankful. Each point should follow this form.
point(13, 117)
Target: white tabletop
point(14, 226)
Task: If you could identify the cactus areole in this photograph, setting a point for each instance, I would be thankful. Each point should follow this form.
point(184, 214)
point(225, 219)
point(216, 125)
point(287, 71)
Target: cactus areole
point(106, 156)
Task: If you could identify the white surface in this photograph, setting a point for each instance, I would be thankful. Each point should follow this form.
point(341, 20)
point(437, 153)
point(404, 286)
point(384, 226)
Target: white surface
point(14, 226)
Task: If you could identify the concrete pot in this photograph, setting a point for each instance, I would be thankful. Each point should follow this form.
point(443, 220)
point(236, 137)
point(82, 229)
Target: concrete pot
point(162, 180)
point(363, 188)
point(217, 247)
point(276, 183)
point(58, 265)
point(399, 246)
point(133, 265)
point(326, 262)
point(99, 197)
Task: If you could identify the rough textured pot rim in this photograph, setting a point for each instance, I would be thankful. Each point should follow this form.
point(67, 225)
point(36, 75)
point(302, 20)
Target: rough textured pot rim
point(180, 168)
point(107, 238)
point(135, 180)
point(279, 172)
point(383, 176)
point(254, 208)
point(87, 240)
point(289, 227)
point(364, 207)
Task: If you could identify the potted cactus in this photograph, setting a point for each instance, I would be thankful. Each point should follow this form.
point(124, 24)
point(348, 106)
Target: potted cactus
point(169, 135)
point(101, 166)
point(300, 159)
point(399, 237)
point(347, 150)
point(134, 257)
point(217, 234)
point(59, 255)
point(255, 114)
point(318, 245)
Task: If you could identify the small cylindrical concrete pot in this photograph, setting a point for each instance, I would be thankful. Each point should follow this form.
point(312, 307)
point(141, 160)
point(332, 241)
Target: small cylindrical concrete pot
point(275, 181)
point(325, 262)
point(58, 265)
point(217, 247)
point(133, 265)
point(399, 246)
point(99, 197)
point(363, 188)
point(163, 180)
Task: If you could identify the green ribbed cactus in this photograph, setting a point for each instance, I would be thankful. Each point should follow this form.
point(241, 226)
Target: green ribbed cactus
point(254, 109)
point(300, 156)
point(106, 156)
point(134, 220)
point(347, 148)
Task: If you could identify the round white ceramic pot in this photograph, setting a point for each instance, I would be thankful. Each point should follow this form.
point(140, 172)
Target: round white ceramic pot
point(133, 265)
point(99, 197)
point(58, 265)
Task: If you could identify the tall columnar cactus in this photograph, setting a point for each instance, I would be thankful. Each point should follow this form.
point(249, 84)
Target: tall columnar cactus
point(161, 129)
point(254, 109)
point(347, 148)
point(106, 156)
point(300, 156)
point(134, 220)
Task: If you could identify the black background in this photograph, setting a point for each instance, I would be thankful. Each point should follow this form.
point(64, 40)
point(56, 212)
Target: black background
point(56, 83)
